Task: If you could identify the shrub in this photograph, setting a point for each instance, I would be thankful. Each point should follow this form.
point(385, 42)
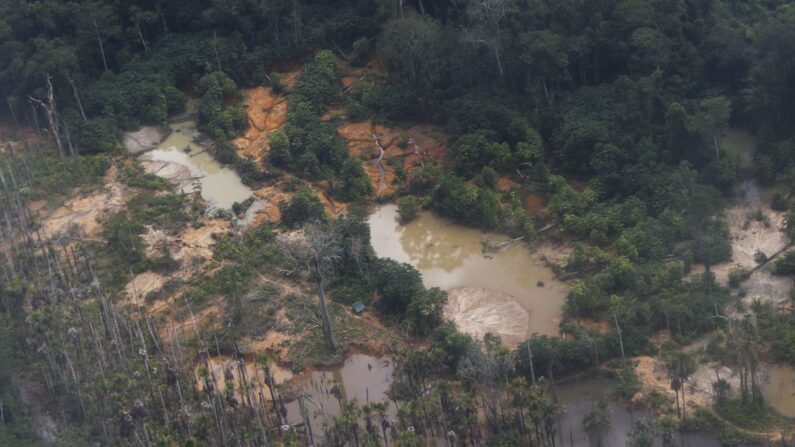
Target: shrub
point(407, 209)
point(277, 84)
point(737, 275)
point(778, 202)
point(304, 207)
point(785, 265)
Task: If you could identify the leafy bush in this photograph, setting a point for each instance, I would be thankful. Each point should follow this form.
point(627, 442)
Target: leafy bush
point(468, 204)
point(627, 383)
point(785, 265)
point(778, 202)
point(404, 296)
point(304, 207)
point(737, 275)
point(96, 135)
point(131, 98)
point(407, 209)
point(218, 119)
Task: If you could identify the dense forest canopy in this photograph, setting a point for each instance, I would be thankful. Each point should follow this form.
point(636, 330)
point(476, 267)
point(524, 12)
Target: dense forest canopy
point(611, 90)
point(612, 111)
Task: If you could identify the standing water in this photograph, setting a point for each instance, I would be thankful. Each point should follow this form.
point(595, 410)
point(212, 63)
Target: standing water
point(220, 186)
point(578, 399)
point(359, 378)
point(450, 257)
point(778, 389)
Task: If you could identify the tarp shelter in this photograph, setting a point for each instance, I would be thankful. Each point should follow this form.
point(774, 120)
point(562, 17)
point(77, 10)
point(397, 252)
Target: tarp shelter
point(357, 307)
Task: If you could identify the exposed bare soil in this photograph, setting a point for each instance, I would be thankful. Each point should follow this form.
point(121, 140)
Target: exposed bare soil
point(410, 148)
point(175, 173)
point(144, 139)
point(478, 311)
point(81, 213)
point(267, 111)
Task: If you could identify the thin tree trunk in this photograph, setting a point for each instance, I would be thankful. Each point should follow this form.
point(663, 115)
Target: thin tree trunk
point(620, 340)
point(141, 36)
point(327, 334)
point(101, 47)
point(77, 97)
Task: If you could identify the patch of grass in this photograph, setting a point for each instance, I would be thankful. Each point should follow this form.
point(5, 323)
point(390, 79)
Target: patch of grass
point(50, 179)
point(752, 416)
point(135, 176)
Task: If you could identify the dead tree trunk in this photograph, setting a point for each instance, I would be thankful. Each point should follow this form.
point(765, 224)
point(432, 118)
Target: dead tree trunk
point(77, 97)
point(101, 46)
point(327, 334)
point(51, 112)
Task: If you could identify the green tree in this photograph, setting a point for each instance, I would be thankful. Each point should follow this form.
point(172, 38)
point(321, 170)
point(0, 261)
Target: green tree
point(304, 207)
point(642, 434)
point(279, 150)
point(597, 423)
point(398, 284)
point(407, 209)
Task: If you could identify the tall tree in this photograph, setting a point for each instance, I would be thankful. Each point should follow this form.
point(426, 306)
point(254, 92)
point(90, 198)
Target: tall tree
point(318, 251)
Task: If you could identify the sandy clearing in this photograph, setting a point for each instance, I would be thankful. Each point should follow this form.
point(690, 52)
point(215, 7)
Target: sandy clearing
point(174, 173)
point(144, 139)
point(653, 375)
point(478, 311)
point(142, 284)
point(82, 213)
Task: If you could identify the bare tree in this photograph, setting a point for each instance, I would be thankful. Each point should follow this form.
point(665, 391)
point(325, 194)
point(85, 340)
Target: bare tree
point(486, 28)
point(77, 97)
point(318, 251)
point(51, 111)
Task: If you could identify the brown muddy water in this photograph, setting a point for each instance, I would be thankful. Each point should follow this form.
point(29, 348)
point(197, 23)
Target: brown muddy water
point(577, 400)
point(778, 389)
point(220, 186)
point(360, 377)
point(450, 257)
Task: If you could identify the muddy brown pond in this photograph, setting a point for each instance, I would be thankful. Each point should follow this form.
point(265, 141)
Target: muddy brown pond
point(220, 186)
point(450, 257)
point(578, 398)
point(361, 378)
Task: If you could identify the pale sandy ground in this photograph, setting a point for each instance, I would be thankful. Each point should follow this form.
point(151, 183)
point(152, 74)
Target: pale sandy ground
point(80, 214)
point(654, 376)
point(749, 236)
point(175, 173)
point(144, 139)
point(477, 312)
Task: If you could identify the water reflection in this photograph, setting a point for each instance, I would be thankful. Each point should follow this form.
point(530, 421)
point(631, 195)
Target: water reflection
point(577, 400)
point(450, 256)
point(361, 378)
point(220, 186)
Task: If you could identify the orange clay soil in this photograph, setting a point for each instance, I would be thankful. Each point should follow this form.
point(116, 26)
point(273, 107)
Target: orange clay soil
point(415, 146)
point(267, 111)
